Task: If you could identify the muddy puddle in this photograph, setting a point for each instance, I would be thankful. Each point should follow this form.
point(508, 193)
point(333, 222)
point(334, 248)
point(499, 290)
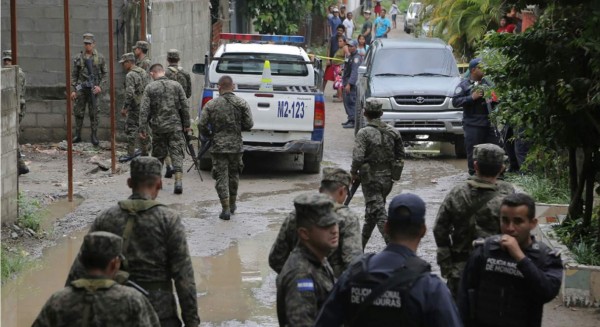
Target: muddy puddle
point(235, 288)
point(58, 209)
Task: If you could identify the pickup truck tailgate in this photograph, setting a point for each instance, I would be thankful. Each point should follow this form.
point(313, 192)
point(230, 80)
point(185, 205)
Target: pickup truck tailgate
point(281, 111)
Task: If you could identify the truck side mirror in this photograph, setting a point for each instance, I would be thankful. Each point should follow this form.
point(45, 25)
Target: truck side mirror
point(362, 69)
point(198, 69)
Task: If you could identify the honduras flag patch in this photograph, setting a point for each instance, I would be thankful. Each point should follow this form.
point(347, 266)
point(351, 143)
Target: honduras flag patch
point(306, 285)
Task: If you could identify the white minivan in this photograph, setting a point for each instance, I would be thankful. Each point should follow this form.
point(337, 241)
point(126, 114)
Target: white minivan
point(411, 19)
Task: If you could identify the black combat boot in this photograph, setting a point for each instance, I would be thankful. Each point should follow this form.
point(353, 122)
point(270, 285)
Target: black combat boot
point(94, 138)
point(77, 137)
point(232, 206)
point(178, 183)
point(169, 171)
point(225, 214)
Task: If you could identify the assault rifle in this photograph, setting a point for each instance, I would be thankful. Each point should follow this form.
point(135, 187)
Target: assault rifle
point(192, 152)
point(353, 189)
point(90, 83)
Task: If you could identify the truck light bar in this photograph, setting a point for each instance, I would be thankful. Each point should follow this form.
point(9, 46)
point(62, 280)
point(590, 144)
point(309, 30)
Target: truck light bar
point(262, 37)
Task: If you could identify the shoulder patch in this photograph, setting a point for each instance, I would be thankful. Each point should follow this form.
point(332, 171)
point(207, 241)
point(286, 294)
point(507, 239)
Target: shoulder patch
point(356, 60)
point(458, 90)
point(479, 242)
point(305, 285)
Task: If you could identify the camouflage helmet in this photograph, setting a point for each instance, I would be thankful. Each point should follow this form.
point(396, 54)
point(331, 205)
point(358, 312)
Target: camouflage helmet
point(141, 45)
point(102, 243)
point(315, 209)
point(488, 153)
point(129, 56)
point(7, 55)
point(339, 175)
point(373, 105)
point(89, 38)
point(145, 166)
point(173, 54)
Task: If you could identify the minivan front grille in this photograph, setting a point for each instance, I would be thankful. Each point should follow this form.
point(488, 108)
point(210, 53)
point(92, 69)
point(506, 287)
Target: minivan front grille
point(419, 100)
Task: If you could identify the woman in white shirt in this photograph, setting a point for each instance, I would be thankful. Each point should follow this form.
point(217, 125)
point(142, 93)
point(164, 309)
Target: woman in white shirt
point(394, 12)
point(349, 24)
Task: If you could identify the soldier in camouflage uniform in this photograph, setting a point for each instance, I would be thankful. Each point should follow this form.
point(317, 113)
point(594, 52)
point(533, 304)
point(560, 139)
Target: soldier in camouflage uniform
point(307, 278)
point(377, 148)
point(96, 299)
point(140, 50)
point(7, 62)
point(223, 119)
point(165, 108)
point(470, 211)
point(82, 91)
point(135, 83)
point(155, 245)
point(335, 182)
point(178, 74)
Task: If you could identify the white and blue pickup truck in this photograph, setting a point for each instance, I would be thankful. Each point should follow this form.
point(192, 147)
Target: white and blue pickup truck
point(288, 119)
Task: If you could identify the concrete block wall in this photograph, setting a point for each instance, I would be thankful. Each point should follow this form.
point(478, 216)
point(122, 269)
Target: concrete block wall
point(9, 117)
point(181, 24)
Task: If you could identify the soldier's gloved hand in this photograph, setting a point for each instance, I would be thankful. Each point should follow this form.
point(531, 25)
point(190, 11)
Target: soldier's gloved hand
point(73, 95)
point(97, 89)
point(143, 135)
point(124, 112)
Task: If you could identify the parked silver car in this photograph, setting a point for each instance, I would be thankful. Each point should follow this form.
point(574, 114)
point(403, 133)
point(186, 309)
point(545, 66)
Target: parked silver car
point(415, 79)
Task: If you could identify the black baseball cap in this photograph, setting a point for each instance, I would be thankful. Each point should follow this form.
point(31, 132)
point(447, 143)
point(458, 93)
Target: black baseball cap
point(415, 209)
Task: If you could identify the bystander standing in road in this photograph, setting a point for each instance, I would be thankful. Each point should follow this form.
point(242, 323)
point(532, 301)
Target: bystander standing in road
point(470, 211)
point(367, 28)
point(378, 152)
point(334, 46)
point(382, 25)
point(394, 12)
point(334, 22)
point(140, 50)
point(349, 25)
point(335, 183)
point(87, 86)
point(377, 8)
point(166, 110)
point(394, 287)
point(96, 299)
point(307, 278)
point(7, 62)
point(223, 120)
point(349, 80)
point(510, 276)
point(477, 103)
point(135, 84)
point(155, 245)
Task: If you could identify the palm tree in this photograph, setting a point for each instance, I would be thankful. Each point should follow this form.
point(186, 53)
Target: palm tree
point(462, 23)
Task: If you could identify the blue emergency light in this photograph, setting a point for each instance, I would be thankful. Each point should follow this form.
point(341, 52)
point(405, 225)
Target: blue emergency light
point(262, 37)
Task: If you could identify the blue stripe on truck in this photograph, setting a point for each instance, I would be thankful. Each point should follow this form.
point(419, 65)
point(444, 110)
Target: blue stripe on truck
point(317, 134)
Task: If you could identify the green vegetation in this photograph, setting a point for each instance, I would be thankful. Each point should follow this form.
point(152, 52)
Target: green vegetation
point(11, 263)
point(541, 189)
point(30, 213)
point(584, 247)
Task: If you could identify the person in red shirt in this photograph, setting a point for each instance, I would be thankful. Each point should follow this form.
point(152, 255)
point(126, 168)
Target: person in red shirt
point(505, 27)
point(377, 8)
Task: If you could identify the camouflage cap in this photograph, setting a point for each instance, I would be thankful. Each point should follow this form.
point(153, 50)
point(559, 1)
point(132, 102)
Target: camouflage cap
point(488, 153)
point(7, 55)
point(315, 209)
point(336, 175)
point(145, 166)
point(173, 54)
point(141, 45)
point(104, 243)
point(373, 106)
point(89, 38)
point(129, 56)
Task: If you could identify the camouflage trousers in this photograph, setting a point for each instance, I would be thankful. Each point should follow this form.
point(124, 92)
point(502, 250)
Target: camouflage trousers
point(165, 305)
point(83, 100)
point(164, 144)
point(375, 193)
point(226, 171)
point(132, 125)
point(453, 275)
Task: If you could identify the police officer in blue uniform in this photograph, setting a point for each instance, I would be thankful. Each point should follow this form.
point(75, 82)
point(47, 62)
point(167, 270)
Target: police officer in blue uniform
point(509, 277)
point(477, 104)
point(349, 80)
point(393, 287)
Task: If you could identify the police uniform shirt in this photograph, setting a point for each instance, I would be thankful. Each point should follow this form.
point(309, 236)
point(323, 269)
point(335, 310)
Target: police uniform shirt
point(520, 289)
point(475, 112)
point(429, 300)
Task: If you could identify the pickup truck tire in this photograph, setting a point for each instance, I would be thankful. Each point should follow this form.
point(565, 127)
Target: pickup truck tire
point(312, 162)
point(459, 147)
point(206, 163)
